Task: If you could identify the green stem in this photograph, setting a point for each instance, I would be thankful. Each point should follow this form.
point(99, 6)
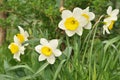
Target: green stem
point(87, 39)
point(76, 49)
point(86, 46)
point(91, 49)
point(90, 54)
point(68, 42)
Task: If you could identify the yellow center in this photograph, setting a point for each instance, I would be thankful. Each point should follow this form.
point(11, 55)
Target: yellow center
point(46, 51)
point(21, 38)
point(71, 23)
point(111, 25)
point(86, 16)
point(14, 48)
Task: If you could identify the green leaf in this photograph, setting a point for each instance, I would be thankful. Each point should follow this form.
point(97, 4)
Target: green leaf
point(94, 72)
point(110, 42)
point(58, 69)
point(68, 52)
point(41, 69)
point(26, 77)
point(20, 66)
point(5, 77)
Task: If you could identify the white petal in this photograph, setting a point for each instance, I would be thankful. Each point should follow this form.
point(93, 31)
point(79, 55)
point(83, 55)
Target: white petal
point(77, 11)
point(38, 48)
point(105, 29)
point(108, 23)
point(22, 49)
point(114, 18)
point(43, 41)
point(41, 57)
point(87, 9)
point(79, 31)
point(66, 14)
point(61, 25)
point(83, 21)
point(53, 43)
point(115, 12)
point(92, 15)
point(21, 30)
point(57, 52)
point(26, 44)
point(51, 59)
point(88, 26)
point(16, 40)
point(26, 34)
point(104, 26)
point(9, 46)
point(17, 56)
point(107, 19)
point(109, 10)
point(70, 33)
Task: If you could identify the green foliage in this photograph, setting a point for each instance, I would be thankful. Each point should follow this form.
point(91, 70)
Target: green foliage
point(92, 56)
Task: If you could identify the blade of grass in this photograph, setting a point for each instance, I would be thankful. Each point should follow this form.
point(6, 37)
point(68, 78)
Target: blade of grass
point(58, 69)
point(91, 48)
point(26, 77)
point(7, 76)
point(110, 58)
point(94, 72)
point(68, 52)
point(41, 69)
point(87, 39)
point(37, 73)
point(110, 42)
point(20, 66)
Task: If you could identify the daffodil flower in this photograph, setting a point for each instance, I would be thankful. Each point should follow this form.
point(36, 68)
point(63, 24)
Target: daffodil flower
point(72, 22)
point(22, 36)
point(89, 16)
point(110, 20)
point(16, 49)
point(48, 50)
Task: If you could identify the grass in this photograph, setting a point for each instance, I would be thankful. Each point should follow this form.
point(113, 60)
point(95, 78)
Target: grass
point(92, 56)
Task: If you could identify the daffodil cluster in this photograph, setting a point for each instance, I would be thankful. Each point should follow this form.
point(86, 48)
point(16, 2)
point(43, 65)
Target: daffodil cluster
point(71, 23)
point(110, 20)
point(48, 50)
point(17, 47)
point(74, 22)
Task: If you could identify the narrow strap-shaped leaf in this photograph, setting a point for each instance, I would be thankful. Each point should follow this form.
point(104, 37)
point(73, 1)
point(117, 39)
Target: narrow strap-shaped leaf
point(6, 76)
point(110, 42)
point(20, 66)
point(58, 69)
point(40, 69)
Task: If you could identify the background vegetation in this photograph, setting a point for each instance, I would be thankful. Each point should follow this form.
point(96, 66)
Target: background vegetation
point(93, 56)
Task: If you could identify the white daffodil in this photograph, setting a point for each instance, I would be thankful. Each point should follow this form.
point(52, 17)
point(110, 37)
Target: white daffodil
point(72, 22)
point(89, 16)
point(48, 50)
point(16, 49)
point(110, 20)
point(22, 36)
